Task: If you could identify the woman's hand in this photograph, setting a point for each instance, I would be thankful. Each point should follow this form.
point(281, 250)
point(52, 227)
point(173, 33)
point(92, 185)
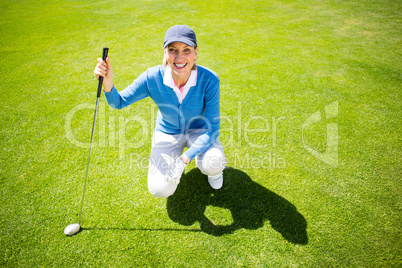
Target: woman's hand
point(105, 69)
point(175, 170)
point(185, 159)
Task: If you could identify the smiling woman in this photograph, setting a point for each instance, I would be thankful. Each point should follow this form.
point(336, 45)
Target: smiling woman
point(187, 97)
point(172, 55)
point(181, 59)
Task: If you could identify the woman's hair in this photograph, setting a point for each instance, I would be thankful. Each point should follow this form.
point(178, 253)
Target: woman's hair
point(165, 62)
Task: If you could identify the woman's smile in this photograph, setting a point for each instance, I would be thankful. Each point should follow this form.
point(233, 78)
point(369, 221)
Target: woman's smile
point(180, 66)
point(181, 59)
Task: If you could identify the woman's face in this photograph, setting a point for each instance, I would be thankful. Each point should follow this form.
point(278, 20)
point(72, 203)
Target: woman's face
point(181, 59)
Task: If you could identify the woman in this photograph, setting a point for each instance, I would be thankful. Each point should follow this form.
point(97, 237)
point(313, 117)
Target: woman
point(187, 97)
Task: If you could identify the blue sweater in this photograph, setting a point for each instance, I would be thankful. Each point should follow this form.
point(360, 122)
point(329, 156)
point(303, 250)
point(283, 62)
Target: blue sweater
point(199, 109)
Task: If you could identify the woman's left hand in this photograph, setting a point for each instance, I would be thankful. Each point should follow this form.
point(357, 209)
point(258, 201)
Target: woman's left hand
point(185, 159)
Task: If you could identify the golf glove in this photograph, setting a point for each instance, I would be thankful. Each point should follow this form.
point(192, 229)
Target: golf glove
point(175, 171)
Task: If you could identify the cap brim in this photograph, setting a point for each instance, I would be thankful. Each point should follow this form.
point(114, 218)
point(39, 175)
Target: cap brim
point(182, 40)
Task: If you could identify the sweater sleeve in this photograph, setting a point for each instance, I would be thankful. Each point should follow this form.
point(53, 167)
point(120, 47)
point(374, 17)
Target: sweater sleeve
point(138, 90)
point(212, 118)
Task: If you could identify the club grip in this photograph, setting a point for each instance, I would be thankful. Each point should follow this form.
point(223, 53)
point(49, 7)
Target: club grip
point(104, 56)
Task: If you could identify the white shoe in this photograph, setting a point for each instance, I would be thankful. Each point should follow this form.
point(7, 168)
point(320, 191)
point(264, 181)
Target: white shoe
point(216, 181)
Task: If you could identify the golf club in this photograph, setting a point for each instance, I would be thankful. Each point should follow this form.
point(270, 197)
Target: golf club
point(74, 228)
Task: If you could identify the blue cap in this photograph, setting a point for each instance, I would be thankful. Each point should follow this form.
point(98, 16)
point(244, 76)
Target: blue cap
point(180, 33)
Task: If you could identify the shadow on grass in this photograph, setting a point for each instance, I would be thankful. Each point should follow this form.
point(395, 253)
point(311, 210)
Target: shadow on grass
point(139, 229)
point(250, 204)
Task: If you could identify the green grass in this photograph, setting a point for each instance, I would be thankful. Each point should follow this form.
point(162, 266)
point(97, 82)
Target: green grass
point(279, 63)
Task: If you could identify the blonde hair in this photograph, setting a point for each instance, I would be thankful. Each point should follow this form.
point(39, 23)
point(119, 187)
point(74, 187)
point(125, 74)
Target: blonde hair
point(165, 61)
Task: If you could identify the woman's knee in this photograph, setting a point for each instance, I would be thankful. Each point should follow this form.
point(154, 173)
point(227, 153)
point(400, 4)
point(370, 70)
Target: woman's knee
point(212, 163)
point(160, 188)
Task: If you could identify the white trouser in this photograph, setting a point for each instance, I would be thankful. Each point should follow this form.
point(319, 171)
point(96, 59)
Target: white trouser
point(166, 148)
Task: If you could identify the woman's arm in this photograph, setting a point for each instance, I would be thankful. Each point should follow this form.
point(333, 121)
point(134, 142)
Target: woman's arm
point(138, 90)
point(212, 117)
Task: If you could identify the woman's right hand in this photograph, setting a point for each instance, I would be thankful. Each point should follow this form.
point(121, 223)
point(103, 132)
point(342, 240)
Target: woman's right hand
point(105, 69)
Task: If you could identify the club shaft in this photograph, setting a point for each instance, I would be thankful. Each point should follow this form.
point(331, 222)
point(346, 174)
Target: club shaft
point(89, 158)
point(100, 82)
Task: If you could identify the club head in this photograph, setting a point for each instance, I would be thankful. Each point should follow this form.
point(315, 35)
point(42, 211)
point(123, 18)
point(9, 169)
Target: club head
point(72, 229)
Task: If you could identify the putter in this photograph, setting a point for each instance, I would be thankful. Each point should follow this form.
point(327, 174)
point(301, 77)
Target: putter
point(74, 228)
